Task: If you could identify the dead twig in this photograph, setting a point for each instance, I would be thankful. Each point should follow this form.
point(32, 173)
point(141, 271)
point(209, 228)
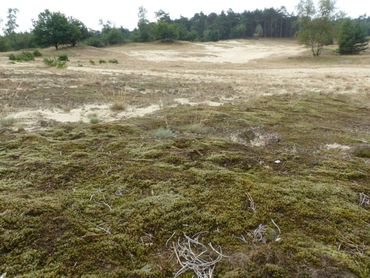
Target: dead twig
point(251, 204)
point(364, 200)
point(278, 238)
point(107, 230)
point(196, 257)
point(259, 234)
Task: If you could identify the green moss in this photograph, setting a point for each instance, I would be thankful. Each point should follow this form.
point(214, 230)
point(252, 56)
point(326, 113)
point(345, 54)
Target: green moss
point(103, 199)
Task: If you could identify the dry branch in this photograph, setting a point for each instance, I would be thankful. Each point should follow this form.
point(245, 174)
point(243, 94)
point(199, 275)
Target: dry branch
point(196, 257)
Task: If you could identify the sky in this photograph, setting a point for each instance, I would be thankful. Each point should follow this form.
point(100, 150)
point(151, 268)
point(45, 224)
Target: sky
point(124, 13)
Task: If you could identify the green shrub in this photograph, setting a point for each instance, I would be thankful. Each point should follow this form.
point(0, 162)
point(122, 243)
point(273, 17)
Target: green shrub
point(12, 57)
point(162, 133)
point(22, 57)
point(102, 61)
point(55, 62)
point(93, 118)
point(94, 41)
point(37, 53)
point(113, 61)
point(92, 62)
point(63, 58)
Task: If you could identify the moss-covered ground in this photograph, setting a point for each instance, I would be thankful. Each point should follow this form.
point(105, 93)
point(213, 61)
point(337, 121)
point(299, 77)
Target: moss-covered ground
point(102, 200)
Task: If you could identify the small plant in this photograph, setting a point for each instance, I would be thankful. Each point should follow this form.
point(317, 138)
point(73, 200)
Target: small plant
point(117, 106)
point(113, 61)
point(37, 53)
point(162, 133)
point(93, 118)
point(102, 61)
point(63, 57)
point(92, 62)
point(55, 62)
point(7, 122)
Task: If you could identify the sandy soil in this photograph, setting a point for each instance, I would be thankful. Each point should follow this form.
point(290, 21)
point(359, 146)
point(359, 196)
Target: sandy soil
point(221, 52)
point(150, 77)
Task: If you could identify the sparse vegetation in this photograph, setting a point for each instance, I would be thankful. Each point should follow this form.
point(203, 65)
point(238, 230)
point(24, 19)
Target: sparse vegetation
point(113, 61)
point(101, 61)
point(55, 62)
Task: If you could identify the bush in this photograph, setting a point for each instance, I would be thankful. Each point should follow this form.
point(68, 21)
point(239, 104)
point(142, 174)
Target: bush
point(55, 62)
point(37, 53)
point(12, 57)
point(22, 57)
point(113, 61)
point(63, 58)
point(92, 62)
point(102, 61)
point(95, 42)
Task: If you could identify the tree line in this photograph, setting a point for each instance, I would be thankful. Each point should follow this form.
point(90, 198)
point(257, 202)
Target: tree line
point(315, 27)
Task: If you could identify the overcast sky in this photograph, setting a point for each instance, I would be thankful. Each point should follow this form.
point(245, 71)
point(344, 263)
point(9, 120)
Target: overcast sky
point(124, 13)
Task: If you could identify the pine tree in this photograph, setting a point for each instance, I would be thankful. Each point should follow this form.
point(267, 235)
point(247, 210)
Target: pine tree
point(352, 38)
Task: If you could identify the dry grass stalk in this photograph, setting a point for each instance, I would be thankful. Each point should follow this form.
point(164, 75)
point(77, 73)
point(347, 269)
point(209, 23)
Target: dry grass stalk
point(364, 200)
point(251, 204)
point(196, 257)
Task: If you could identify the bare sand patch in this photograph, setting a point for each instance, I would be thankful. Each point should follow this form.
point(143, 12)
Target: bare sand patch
point(241, 51)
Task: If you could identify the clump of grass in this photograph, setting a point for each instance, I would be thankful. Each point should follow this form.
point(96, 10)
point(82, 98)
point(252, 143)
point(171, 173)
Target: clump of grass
point(22, 57)
point(163, 133)
point(37, 53)
point(102, 61)
point(195, 128)
point(117, 106)
point(113, 61)
point(93, 118)
point(12, 57)
point(63, 57)
point(7, 122)
point(362, 151)
point(92, 62)
point(55, 62)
